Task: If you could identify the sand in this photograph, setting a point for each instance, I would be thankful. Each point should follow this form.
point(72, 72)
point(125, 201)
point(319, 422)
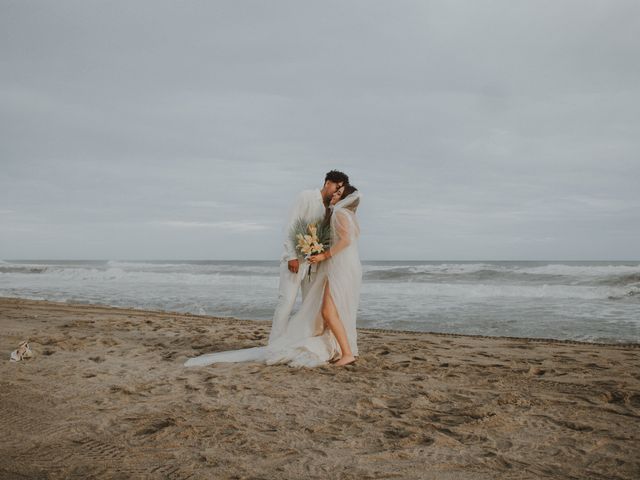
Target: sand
point(106, 396)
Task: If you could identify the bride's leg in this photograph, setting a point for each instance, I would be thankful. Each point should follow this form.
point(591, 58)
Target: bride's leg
point(332, 318)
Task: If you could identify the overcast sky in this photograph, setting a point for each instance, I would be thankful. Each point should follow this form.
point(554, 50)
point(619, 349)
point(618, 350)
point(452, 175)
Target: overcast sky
point(184, 130)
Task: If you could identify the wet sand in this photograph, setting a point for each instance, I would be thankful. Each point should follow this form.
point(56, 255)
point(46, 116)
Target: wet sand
point(106, 396)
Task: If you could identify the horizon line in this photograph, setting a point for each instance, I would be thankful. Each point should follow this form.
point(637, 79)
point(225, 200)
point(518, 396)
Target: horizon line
point(275, 260)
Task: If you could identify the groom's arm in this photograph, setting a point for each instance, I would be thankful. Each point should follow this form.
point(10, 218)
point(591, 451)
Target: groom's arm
point(289, 248)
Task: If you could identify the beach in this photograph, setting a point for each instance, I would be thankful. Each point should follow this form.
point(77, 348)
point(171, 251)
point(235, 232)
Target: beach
point(106, 395)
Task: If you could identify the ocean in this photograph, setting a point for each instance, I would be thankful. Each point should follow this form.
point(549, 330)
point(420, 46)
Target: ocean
point(587, 301)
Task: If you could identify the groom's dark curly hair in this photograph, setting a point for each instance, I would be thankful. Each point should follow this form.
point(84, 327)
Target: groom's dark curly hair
point(336, 176)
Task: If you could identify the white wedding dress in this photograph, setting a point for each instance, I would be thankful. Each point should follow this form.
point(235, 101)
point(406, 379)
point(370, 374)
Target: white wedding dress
point(305, 342)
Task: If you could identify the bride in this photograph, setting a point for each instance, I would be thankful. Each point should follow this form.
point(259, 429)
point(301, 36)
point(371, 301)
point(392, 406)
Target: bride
point(324, 328)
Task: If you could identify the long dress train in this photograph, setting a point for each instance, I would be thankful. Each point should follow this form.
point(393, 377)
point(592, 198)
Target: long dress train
point(305, 342)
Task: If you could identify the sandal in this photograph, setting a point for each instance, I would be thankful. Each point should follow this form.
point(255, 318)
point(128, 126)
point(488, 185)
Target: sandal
point(23, 351)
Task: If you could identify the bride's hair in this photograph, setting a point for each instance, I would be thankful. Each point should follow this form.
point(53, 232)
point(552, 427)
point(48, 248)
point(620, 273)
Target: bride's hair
point(348, 190)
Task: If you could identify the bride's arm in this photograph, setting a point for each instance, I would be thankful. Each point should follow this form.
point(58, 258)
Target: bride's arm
point(344, 240)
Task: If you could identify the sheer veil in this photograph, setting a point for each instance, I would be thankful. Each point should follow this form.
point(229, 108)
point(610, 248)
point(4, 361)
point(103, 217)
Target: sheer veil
point(351, 202)
point(305, 342)
point(344, 270)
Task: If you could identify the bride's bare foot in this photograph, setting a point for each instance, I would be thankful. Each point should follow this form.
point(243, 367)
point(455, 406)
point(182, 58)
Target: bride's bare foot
point(345, 360)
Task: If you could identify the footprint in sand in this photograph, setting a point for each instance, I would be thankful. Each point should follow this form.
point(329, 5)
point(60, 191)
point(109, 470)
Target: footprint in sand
point(536, 371)
point(396, 433)
point(171, 472)
point(156, 426)
point(616, 397)
point(98, 450)
point(167, 356)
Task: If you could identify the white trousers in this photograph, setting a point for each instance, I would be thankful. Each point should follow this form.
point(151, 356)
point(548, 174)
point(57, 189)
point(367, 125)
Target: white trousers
point(288, 288)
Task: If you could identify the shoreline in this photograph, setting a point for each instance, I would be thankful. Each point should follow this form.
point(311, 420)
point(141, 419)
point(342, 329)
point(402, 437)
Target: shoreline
point(106, 396)
point(127, 310)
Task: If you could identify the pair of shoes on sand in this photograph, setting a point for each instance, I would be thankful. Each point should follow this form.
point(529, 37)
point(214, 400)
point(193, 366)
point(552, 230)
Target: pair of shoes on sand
point(23, 351)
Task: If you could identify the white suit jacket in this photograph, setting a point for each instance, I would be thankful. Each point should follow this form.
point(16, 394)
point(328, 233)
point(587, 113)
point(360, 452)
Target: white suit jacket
point(309, 207)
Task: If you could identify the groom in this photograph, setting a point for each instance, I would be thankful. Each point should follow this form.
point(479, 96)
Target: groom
point(309, 206)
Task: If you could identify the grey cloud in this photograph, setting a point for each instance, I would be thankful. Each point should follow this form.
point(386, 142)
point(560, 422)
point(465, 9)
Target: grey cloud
point(474, 129)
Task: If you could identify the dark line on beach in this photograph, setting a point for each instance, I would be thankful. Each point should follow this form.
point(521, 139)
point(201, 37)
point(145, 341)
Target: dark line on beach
point(129, 310)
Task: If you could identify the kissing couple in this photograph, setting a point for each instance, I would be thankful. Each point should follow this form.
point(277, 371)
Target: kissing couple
point(324, 327)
